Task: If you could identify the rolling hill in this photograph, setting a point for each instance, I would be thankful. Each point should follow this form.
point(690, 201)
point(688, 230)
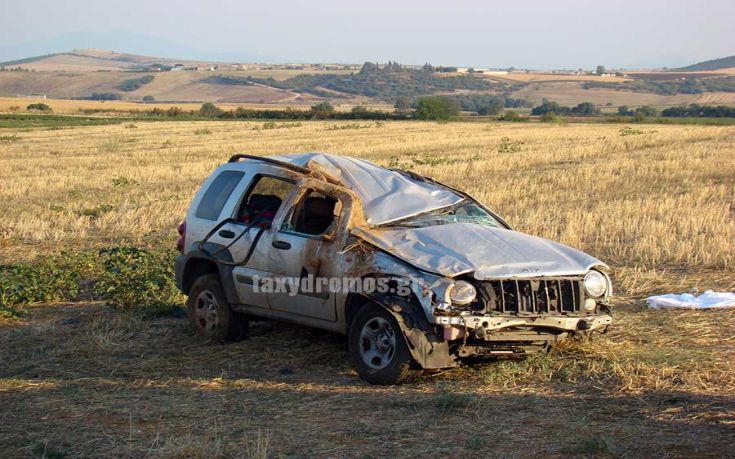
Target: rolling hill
point(714, 64)
point(101, 74)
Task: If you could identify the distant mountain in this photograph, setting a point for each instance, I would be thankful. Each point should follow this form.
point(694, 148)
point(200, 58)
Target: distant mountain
point(118, 40)
point(714, 64)
point(91, 59)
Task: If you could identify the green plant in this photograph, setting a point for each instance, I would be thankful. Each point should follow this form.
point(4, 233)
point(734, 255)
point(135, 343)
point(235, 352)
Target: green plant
point(53, 279)
point(592, 445)
point(136, 279)
point(122, 182)
point(627, 130)
point(449, 399)
point(202, 132)
point(96, 212)
point(9, 138)
point(508, 146)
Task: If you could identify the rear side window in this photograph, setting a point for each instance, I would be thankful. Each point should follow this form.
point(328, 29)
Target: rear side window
point(217, 194)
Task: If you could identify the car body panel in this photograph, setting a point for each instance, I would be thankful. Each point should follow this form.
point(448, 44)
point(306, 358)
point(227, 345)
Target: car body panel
point(360, 244)
point(377, 188)
point(486, 252)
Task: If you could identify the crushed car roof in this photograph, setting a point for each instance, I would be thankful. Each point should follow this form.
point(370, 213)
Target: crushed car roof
point(386, 195)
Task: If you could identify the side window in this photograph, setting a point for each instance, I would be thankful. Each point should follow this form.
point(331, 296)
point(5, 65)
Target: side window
point(263, 199)
point(216, 196)
point(314, 214)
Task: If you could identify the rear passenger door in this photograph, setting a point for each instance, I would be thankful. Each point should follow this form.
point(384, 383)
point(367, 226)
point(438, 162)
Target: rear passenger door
point(257, 206)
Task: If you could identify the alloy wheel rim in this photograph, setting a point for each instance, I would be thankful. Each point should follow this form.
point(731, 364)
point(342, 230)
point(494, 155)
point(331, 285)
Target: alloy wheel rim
point(205, 307)
point(377, 343)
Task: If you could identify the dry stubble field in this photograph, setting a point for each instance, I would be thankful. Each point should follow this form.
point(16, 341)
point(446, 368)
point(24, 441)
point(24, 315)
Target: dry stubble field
point(655, 202)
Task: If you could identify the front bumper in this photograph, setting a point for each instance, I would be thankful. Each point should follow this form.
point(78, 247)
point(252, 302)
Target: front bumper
point(458, 325)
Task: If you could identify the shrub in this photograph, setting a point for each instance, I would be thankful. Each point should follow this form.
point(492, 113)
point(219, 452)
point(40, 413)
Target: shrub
point(149, 99)
point(41, 107)
point(136, 279)
point(54, 279)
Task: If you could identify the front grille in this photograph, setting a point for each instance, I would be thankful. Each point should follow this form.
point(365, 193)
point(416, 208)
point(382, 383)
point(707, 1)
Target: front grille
point(540, 296)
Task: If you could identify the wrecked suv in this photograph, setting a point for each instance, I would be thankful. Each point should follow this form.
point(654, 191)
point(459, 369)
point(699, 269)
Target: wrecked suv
point(417, 274)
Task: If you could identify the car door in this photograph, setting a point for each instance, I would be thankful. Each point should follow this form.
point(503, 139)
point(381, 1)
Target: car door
point(227, 242)
point(256, 208)
point(305, 251)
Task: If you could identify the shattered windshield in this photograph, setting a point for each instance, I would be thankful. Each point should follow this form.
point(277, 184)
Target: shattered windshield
point(464, 212)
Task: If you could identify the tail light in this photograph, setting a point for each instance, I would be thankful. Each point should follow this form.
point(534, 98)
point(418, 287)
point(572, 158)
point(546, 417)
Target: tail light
point(181, 243)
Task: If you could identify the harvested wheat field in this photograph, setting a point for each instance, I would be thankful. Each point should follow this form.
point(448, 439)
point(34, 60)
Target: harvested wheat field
point(655, 202)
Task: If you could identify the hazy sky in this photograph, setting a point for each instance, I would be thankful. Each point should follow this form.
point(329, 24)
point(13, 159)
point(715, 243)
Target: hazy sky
point(530, 33)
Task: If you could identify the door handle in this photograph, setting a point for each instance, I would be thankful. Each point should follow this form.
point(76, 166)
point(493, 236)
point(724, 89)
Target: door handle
point(227, 234)
point(283, 245)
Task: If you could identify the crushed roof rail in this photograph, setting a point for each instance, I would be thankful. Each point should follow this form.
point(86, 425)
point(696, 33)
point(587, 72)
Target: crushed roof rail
point(285, 165)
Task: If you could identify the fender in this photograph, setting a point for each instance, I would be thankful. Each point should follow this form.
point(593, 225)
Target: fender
point(425, 346)
point(225, 271)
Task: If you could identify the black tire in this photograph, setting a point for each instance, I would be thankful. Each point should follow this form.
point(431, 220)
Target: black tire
point(211, 315)
point(375, 366)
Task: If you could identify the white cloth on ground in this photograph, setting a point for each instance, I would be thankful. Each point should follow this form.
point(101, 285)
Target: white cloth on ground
point(707, 300)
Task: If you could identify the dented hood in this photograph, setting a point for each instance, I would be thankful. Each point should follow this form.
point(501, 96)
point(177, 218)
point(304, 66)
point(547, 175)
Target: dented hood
point(487, 252)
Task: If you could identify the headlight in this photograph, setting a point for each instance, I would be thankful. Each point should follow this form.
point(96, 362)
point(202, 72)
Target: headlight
point(595, 283)
point(462, 292)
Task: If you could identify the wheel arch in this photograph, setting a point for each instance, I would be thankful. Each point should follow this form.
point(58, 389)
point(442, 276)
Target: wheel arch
point(428, 349)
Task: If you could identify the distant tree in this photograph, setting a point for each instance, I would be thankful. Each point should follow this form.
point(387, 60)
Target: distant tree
point(135, 83)
point(585, 109)
point(360, 112)
point(624, 110)
point(402, 105)
point(369, 67)
point(492, 107)
point(600, 69)
point(148, 98)
point(322, 110)
point(646, 111)
point(209, 110)
point(548, 107)
point(41, 107)
point(436, 108)
point(105, 96)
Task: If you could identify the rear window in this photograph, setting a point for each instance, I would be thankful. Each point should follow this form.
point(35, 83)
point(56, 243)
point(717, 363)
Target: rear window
point(216, 196)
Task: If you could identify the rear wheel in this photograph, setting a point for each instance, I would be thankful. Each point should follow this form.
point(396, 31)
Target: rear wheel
point(211, 315)
point(378, 349)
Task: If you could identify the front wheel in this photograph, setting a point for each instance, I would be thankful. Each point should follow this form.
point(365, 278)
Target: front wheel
point(378, 349)
point(211, 315)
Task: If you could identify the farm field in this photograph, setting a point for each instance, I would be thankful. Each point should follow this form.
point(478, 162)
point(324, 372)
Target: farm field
point(571, 93)
point(74, 107)
point(656, 202)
